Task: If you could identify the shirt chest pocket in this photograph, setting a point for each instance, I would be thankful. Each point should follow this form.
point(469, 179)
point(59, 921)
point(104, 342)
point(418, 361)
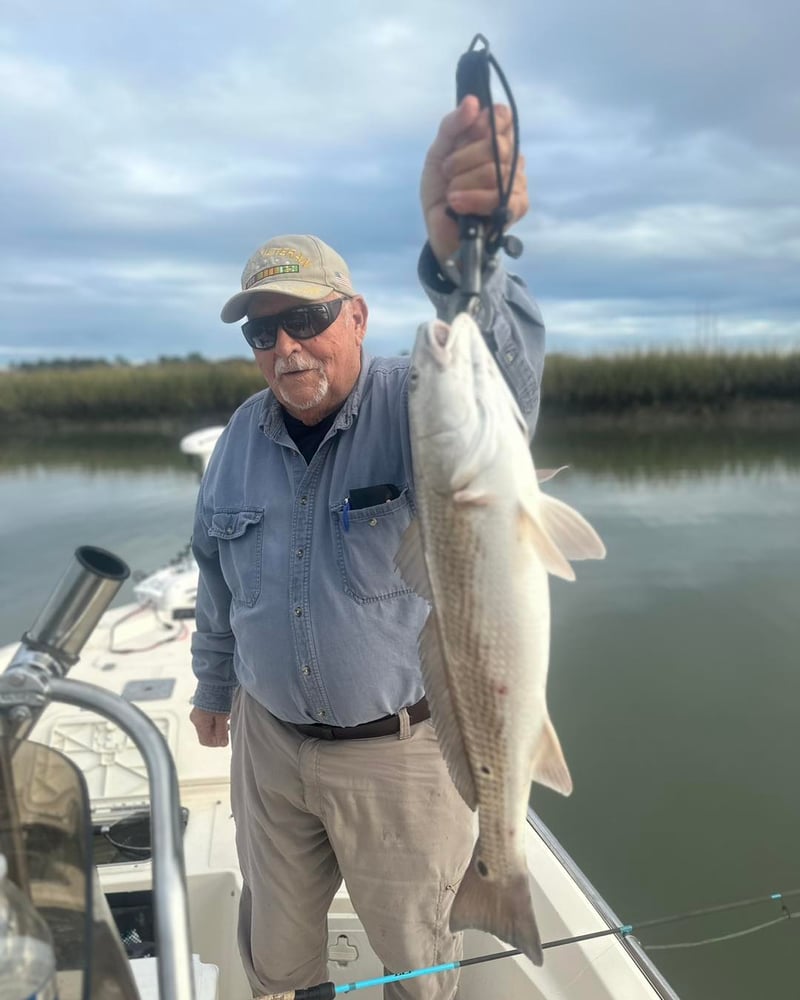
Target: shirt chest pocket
point(366, 542)
point(240, 536)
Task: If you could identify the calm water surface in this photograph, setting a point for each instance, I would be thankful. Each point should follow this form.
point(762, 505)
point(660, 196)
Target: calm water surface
point(675, 672)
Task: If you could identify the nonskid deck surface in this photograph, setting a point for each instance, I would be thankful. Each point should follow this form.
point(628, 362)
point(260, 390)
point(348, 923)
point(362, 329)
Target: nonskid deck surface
point(143, 654)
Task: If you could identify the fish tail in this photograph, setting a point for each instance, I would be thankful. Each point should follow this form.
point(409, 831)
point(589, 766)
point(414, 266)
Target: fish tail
point(503, 909)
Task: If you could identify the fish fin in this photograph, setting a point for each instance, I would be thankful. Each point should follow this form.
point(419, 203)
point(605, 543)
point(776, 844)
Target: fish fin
point(445, 721)
point(569, 530)
point(545, 475)
point(504, 909)
point(474, 498)
point(531, 529)
point(410, 561)
point(549, 767)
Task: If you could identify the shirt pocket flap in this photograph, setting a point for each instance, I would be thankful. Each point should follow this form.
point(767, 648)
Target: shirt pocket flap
point(234, 523)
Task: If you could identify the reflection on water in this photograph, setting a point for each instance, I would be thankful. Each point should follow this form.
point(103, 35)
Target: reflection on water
point(133, 495)
point(96, 450)
point(620, 451)
point(674, 681)
point(675, 690)
point(659, 453)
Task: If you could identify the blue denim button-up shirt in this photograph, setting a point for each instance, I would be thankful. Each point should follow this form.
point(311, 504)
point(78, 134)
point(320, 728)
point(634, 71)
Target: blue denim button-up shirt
point(299, 600)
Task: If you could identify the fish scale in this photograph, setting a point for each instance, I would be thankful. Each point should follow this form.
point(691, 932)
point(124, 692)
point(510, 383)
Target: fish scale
point(477, 661)
point(480, 550)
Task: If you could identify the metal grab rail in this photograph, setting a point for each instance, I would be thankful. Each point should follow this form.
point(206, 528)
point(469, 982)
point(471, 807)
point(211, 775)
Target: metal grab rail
point(171, 909)
point(36, 675)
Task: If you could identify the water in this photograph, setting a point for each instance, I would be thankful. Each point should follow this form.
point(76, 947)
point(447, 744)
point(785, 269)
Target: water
point(133, 496)
point(674, 681)
point(674, 687)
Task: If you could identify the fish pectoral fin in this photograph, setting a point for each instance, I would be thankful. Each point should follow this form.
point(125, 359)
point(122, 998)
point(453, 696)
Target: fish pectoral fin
point(549, 767)
point(474, 498)
point(545, 475)
point(410, 561)
point(569, 530)
point(504, 909)
point(530, 529)
point(443, 714)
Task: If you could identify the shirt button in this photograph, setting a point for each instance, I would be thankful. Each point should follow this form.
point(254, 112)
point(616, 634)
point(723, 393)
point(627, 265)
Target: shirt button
point(322, 713)
point(229, 530)
point(299, 553)
point(306, 671)
point(298, 612)
point(303, 501)
point(372, 522)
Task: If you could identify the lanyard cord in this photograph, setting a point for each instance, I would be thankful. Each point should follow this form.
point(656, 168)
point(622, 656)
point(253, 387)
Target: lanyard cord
point(501, 214)
point(481, 237)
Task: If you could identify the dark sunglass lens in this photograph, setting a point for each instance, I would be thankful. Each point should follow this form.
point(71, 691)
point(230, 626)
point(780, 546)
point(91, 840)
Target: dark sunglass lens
point(301, 323)
point(296, 323)
point(261, 333)
point(323, 315)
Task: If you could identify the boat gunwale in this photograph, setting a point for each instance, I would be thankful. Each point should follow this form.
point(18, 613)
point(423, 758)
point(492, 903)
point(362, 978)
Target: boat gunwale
point(631, 944)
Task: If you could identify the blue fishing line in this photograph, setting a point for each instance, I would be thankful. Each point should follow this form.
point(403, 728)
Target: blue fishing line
point(327, 991)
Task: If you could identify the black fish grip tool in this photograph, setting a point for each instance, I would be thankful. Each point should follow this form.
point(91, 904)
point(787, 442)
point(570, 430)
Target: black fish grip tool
point(480, 237)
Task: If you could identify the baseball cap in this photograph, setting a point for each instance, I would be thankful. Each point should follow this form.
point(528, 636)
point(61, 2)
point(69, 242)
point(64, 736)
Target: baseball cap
point(302, 266)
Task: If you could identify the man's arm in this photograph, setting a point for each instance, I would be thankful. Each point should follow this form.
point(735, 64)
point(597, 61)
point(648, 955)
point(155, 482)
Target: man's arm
point(212, 642)
point(511, 322)
point(460, 174)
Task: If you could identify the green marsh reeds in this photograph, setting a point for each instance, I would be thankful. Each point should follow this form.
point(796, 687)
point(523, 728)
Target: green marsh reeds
point(677, 381)
point(118, 394)
point(670, 382)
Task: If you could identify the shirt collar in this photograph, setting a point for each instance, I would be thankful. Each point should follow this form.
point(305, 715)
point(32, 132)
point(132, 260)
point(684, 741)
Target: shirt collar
point(271, 422)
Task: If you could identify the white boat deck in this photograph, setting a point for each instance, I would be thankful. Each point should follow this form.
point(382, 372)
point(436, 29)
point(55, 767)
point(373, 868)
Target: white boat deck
point(127, 654)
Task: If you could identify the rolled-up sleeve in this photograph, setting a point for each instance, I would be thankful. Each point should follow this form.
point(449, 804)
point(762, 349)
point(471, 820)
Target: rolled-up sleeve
point(212, 642)
point(511, 323)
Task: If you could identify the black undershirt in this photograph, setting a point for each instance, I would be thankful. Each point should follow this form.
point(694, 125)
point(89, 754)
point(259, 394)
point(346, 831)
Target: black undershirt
point(308, 438)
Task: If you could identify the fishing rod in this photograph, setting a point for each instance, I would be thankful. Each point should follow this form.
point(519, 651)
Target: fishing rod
point(481, 237)
point(327, 991)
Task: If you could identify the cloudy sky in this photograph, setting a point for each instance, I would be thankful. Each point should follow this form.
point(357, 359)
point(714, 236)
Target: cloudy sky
point(149, 147)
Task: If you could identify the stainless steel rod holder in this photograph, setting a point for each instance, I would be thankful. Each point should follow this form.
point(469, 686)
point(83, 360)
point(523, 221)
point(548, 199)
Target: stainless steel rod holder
point(76, 605)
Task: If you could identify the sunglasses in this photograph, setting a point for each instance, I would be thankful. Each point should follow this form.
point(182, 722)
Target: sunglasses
point(301, 323)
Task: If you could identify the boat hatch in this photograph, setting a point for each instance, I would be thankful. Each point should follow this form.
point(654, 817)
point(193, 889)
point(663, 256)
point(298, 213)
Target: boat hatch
point(154, 689)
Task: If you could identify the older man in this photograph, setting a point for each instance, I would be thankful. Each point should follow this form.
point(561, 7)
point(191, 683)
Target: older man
point(306, 635)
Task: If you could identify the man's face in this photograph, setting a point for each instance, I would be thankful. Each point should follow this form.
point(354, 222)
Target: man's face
point(312, 378)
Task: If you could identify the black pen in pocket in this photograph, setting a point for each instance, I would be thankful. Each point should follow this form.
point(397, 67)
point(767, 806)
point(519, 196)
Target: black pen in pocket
point(346, 514)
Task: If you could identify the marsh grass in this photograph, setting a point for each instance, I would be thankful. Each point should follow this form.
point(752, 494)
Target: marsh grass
point(669, 380)
point(666, 382)
point(127, 393)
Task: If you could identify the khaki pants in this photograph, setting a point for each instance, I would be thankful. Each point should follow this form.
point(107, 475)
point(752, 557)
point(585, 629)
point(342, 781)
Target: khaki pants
point(381, 813)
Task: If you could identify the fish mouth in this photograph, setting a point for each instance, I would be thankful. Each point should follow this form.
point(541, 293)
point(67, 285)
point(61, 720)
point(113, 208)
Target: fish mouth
point(440, 342)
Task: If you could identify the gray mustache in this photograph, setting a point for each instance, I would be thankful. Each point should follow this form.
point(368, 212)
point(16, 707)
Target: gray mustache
point(284, 366)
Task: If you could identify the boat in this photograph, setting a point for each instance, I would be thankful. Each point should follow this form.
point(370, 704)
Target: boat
point(160, 822)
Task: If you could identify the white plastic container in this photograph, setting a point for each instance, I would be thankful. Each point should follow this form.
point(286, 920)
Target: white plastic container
point(27, 960)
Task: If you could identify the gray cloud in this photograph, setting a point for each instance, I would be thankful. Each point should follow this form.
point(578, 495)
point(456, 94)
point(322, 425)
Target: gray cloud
point(151, 147)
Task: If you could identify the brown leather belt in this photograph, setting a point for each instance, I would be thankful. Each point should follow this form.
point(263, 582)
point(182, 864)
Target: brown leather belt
point(368, 730)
